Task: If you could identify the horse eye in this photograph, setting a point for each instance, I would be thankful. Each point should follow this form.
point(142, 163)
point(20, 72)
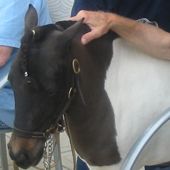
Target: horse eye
point(31, 83)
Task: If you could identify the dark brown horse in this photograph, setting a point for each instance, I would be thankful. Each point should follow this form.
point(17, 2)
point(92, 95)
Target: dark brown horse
point(55, 74)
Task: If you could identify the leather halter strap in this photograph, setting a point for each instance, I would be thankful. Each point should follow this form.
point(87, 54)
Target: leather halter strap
point(29, 134)
point(71, 93)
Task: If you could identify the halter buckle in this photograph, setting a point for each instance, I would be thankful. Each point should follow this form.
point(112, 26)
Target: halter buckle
point(33, 33)
point(76, 66)
point(71, 92)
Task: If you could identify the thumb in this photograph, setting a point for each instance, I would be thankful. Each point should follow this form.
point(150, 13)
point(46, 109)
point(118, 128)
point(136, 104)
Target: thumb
point(76, 18)
point(86, 38)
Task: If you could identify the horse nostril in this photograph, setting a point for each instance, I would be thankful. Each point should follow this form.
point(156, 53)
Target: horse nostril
point(21, 159)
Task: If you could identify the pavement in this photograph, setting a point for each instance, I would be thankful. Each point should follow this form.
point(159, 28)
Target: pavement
point(66, 154)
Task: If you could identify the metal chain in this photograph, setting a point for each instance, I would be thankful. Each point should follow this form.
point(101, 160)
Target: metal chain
point(48, 151)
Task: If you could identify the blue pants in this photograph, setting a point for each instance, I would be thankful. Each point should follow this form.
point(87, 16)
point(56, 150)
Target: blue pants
point(157, 168)
point(82, 166)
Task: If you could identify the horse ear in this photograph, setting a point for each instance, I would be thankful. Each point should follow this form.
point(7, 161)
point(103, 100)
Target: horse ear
point(31, 18)
point(71, 31)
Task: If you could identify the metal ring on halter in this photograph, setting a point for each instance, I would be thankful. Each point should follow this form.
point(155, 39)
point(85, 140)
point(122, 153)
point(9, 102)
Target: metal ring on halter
point(25, 74)
point(71, 92)
point(76, 66)
point(33, 33)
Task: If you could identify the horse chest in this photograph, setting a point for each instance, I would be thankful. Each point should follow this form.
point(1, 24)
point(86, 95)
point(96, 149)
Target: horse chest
point(138, 88)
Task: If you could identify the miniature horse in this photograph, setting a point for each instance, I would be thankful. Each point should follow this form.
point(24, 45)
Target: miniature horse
point(54, 74)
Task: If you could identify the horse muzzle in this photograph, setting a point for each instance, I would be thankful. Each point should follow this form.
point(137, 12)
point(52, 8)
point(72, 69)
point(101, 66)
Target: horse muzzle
point(25, 152)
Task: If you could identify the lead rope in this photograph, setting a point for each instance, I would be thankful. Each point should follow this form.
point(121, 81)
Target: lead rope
point(70, 140)
point(76, 70)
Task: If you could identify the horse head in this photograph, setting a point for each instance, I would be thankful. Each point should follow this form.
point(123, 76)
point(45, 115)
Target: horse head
point(47, 81)
point(42, 80)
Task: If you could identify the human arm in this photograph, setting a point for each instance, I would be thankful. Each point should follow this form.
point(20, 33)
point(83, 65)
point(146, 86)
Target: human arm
point(10, 29)
point(12, 24)
point(148, 38)
point(5, 53)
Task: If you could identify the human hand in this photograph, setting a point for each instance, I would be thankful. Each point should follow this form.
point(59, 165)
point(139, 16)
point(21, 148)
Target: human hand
point(99, 23)
point(5, 53)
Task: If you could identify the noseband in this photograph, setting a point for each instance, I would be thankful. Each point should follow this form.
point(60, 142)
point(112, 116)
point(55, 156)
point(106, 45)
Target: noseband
point(75, 87)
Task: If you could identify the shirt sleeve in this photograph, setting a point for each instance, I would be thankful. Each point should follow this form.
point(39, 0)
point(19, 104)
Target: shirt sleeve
point(42, 11)
point(12, 19)
point(84, 5)
point(94, 5)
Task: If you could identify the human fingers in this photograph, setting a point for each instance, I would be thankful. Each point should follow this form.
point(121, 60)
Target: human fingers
point(76, 18)
point(81, 15)
point(93, 34)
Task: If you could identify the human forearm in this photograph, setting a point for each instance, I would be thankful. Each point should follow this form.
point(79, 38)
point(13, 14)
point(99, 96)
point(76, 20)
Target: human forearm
point(149, 38)
point(5, 53)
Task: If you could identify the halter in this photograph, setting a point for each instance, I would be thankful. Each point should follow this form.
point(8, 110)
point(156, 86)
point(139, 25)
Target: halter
point(71, 93)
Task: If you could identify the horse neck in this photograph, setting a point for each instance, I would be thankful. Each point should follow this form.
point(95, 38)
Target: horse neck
point(87, 123)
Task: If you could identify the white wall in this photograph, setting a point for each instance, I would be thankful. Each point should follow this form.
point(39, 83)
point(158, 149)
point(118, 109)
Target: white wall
point(60, 9)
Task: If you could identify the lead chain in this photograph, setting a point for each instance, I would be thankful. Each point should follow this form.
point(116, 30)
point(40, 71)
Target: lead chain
point(48, 151)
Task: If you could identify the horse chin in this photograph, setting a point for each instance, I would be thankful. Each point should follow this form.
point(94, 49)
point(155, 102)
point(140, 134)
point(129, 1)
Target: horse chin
point(28, 163)
point(25, 152)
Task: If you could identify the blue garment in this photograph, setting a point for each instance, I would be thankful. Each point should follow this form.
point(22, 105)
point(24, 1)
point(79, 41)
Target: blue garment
point(154, 10)
point(12, 19)
point(81, 165)
point(157, 168)
point(12, 14)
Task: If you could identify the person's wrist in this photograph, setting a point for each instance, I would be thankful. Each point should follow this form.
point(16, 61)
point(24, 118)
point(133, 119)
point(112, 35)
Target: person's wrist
point(111, 20)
